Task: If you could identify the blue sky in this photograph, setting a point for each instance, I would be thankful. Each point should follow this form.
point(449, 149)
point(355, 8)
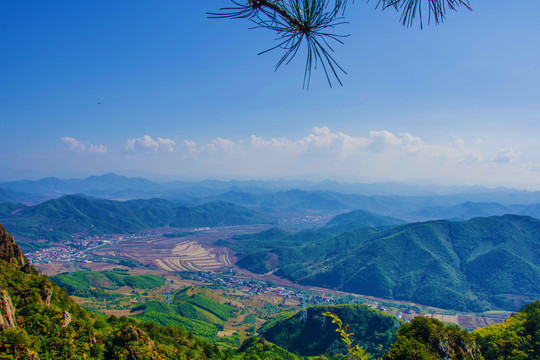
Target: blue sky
point(186, 97)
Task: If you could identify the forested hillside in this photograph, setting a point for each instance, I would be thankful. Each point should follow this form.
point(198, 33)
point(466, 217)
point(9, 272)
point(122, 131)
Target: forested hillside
point(475, 265)
point(312, 333)
point(72, 214)
point(356, 219)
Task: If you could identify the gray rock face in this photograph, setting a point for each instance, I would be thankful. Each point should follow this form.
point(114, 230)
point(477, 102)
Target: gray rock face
point(67, 319)
point(46, 295)
point(7, 311)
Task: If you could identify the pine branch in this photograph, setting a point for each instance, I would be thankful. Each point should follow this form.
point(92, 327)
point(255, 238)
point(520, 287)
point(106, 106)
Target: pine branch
point(312, 22)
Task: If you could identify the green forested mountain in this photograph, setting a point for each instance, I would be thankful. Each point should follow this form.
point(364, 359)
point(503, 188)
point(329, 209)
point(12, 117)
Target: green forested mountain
point(13, 196)
point(74, 214)
point(469, 210)
point(464, 211)
point(7, 209)
point(356, 219)
point(276, 250)
point(315, 333)
point(472, 265)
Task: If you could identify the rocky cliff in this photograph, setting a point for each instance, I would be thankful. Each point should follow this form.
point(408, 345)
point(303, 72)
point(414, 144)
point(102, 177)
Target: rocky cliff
point(9, 251)
point(7, 311)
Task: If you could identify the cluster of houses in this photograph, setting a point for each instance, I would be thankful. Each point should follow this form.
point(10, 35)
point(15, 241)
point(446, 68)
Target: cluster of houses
point(305, 220)
point(252, 287)
point(57, 254)
point(76, 249)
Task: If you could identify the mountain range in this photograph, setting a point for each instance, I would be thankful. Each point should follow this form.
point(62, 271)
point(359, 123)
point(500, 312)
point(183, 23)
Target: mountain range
point(112, 185)
point(473, 265)
point(408, 202)
point(75, 214)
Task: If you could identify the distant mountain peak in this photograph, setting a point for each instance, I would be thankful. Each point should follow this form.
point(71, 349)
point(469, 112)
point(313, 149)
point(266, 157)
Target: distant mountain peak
point(109, 175)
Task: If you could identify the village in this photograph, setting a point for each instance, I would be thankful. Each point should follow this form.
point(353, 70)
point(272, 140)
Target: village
point(79, 249)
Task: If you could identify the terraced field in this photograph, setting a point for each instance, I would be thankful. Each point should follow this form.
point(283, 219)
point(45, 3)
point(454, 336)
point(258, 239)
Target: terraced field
point(170, 254)
point(476, 322)
point(191, 256)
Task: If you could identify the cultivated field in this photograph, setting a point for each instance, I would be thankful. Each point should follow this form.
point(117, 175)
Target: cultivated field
point(188, 253)
point(170, 254)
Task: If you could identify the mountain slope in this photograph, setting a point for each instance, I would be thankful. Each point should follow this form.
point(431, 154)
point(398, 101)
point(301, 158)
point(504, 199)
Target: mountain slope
point(470, 265)
point(459, 265)
point(17, 197)
point(360, 218)
point(464, 211)
point(73, 214)
point(316, 334)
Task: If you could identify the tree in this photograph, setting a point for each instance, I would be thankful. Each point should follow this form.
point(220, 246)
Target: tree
point(312, 22)
point(518, 338)
point(427, 339)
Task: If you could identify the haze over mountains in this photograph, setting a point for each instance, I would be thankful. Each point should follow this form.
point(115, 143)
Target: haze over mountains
point(111, 184)
point(408, 202)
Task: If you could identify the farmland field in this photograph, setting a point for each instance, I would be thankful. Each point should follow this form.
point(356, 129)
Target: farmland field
point(187, 253)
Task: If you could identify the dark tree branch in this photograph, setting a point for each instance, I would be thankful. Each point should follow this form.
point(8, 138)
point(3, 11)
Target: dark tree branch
point(311, 22)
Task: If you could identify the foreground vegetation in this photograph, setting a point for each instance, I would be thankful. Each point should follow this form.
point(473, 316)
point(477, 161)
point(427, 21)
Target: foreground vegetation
point(38, 320)
point(311, 333)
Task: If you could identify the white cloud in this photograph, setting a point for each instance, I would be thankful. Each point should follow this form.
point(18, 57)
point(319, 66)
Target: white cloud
point(382, 140)
point(78, 146)
point(74, 144)
point(379, 153)
point(98, 148)
point(323, 141)
point(144, 142)
point(259, 142)
point(506, 155)
point(216, 146)
point(191, 146)
point(167, 144)
point(147, 143)
point(223, 144)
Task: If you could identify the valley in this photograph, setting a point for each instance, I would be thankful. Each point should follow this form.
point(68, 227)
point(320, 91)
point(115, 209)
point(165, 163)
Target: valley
point(269, 264)
point(193, 260)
